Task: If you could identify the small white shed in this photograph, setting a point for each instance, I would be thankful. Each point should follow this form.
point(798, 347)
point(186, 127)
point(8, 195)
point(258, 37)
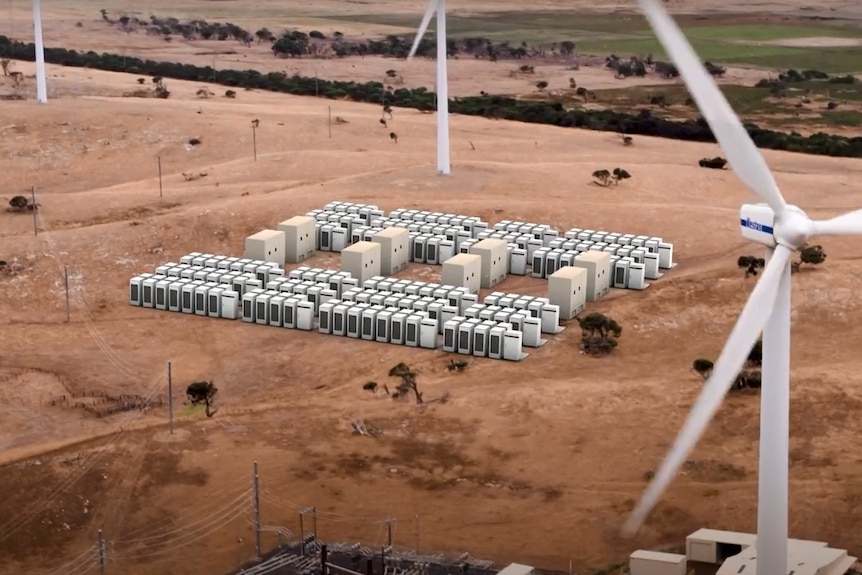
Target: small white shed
point(362, 260)
point(643, 562)
point(567, 288)
point(495, 257)
point(265, 245)
point(394, 249)
point(463, 270)
point(299, 238)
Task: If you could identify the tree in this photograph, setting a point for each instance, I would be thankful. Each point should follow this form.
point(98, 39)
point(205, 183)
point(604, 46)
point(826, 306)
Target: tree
point(620, 174)
point(603, 177)
point(755, 356)
point(202, 392)
point(4, 63)
point(751, 264)
point(716, 163)
point(812, 255)
point(393, 136)
point(703, 367)
point(715, 70)
point(457, 365)
point(230, 94)
point(541, 85)
point(370, 386)
point(203, 93)
point(264, 35)
point(20, 204)
point(599, 334)
point(567, 47)
point(627, 140)
point(391, 74)
point(408, 382)
point(572, 84)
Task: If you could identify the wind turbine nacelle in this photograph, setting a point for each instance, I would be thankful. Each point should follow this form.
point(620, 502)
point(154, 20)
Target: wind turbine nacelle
point(758, 221)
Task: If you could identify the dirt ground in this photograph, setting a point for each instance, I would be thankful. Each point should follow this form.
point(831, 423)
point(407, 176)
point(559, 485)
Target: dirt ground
point(536, 462)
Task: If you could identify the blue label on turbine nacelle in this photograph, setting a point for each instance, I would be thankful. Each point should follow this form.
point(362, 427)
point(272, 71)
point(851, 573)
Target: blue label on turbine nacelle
point(756, 226)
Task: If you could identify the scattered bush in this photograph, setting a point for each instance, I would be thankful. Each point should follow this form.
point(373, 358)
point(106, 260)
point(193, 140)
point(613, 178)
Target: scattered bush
point(607, 178)
point(599, 334)
point(812, 255)
point(751, 264)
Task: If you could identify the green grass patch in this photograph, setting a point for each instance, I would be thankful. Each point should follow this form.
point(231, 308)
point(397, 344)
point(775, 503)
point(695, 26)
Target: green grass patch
point(745, 100)
point(629, 34)
point(192, 409)
point(842, 118)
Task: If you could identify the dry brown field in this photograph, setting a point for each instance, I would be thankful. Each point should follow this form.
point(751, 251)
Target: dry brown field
point(536, 462)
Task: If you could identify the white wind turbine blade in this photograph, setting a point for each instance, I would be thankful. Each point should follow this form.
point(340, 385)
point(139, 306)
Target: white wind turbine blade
point(423, 27)
point(849, 223)
point(745, 333)
point(743, 155)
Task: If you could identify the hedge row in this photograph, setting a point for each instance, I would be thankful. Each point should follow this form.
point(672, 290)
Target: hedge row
point(498, 107)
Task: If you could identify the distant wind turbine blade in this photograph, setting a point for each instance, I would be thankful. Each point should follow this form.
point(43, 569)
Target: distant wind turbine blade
point(745, 333)
point(744, 157)
point(849, 223)
point(423, 27)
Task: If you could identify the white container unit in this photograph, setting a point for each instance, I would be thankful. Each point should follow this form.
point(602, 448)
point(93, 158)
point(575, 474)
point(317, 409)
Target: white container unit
point(412, 329)
point(427, 333)
point(339, 319)
point(304, 315)
point(465, 336)
point(398, 328)
point(276, 310)
point(354, 321)
point(450, 334)
point(324, 314)
point(551, 319)
point(230, 304)
point(512, 346)
point(175, 295)
point(187, 298)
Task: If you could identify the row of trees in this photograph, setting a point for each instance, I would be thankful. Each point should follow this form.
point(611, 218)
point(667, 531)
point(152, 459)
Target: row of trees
point(486, 105)
point(294, 43)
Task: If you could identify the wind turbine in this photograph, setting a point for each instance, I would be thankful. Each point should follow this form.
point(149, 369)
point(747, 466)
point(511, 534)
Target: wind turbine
point(443, 165)
point(782, 229)
point(41, 83)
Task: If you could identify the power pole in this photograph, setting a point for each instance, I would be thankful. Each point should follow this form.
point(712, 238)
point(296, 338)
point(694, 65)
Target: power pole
point(35, 208)
point(101, 553)
point(254, 140)
point(417, 534)
point(170, 402)
point(256, 511)
point(330, 122)
point(389, 522)
point(66, 281)
point(302, 513)
point(161, 190)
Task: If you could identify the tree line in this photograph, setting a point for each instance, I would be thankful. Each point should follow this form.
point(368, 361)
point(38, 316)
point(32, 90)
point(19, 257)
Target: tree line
point(295, 43)
point(485, 105)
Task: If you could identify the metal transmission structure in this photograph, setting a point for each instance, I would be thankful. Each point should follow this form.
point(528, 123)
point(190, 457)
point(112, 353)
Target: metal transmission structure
point(442, 90)
point(782, 229)
point(41, 82)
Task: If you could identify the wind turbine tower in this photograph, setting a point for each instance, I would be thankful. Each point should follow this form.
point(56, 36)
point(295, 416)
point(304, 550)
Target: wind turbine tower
point(442, 88)
point(41, 82)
